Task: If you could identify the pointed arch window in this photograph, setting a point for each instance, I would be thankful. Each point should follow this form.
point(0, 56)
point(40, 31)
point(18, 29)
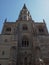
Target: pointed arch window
point(25, 42)
point(13, 52)
point(8, 29)
point(41, 30)
point(25, 27)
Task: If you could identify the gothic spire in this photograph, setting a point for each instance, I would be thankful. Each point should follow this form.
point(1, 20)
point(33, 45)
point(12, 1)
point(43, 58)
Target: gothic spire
point(24, 7)
point(24, 14)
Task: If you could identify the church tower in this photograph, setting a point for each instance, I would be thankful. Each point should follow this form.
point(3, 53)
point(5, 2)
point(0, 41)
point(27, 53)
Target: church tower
point(24, 42)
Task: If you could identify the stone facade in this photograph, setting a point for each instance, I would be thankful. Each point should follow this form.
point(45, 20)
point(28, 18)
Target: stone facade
point(24, 42)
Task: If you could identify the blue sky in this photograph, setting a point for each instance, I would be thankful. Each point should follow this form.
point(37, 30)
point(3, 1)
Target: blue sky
point(10, 9)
